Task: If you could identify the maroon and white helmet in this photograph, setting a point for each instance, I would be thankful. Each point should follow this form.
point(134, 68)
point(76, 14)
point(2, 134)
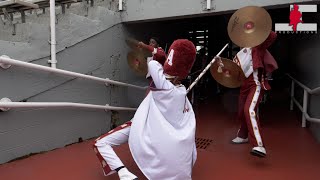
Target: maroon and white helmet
point(182, 54)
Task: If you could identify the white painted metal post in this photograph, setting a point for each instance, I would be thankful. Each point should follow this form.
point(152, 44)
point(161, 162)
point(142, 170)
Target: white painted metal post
point(305, 107)
point(208, 4)
point(292, 95)
point(53, 59)
point(120, 5)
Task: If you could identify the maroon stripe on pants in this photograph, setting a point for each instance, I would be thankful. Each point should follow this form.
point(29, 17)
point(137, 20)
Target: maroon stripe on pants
point(104, 164)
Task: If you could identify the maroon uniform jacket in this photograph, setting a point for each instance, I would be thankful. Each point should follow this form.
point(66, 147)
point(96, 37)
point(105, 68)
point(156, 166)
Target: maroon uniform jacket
point(263, 60)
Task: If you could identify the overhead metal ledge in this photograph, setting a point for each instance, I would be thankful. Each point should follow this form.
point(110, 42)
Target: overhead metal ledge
point(12, 6)
point(46, 3)
point(17, 6)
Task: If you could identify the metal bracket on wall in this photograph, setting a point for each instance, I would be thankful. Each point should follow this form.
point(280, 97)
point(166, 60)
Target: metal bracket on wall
point(107, 84)
point(23, 16)
point(63, 8)
point(6, 15)
point(208, 5)
point(4, 23)
point(107, 109)
point(91, 2)
point(120, 5)
point(5, 100)
point(3, 65)
point(85, 6)
point(9, 17)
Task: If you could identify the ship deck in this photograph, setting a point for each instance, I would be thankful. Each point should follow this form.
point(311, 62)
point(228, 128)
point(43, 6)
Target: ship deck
point(292, 151)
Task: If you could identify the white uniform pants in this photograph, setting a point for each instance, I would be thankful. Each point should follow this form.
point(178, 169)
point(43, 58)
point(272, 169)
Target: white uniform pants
point(104, 151)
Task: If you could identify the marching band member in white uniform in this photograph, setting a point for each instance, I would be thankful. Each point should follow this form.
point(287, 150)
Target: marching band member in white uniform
point(161, 134)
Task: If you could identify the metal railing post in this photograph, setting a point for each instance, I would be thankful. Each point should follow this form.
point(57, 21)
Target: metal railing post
point(305, 107)
point(120, 5)
point(292, 95)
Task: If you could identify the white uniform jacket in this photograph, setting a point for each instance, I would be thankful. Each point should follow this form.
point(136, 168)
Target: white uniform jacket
point(162, 136)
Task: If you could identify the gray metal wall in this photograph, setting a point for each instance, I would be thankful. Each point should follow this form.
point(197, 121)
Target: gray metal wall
point(25, 131)
point(141, 10)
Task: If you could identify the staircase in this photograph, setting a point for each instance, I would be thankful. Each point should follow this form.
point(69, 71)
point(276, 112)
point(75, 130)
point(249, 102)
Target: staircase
point(90, 40)
point(79, 22)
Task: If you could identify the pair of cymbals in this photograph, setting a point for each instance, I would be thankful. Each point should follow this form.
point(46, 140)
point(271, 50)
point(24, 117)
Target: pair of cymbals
point(134, 45)
point(249, 26)
point(137, 58)
point(230, 75)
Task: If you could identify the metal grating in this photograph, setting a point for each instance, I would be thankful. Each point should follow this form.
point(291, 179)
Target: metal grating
point(202, 143)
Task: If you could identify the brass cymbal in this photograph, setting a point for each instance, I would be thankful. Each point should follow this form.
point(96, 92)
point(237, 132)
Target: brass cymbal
point(133, 44)
point(249, 26)
point(231, 76)
point(138, 63)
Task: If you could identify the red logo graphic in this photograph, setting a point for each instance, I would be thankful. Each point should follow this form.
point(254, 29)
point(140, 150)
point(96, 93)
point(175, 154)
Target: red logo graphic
point(296, 24)
point(295, 17)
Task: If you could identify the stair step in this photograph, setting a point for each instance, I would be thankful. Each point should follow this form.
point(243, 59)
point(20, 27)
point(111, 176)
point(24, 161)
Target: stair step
point(71, 28)
point(105, 16)
point(109, 4)
point(15, 50)
point(68, 20)
point(10, 34)
point(25, 32)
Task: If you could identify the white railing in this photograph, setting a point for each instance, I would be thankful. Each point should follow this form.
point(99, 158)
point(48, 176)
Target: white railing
point(5, 60)
point(208, 4)
point(53, 42)
point(6, 104)
point(304, 107)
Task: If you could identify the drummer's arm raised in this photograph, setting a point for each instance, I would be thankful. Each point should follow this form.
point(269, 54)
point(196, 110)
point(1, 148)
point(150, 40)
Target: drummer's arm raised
point(267, 43)
point(158, 53)
point(145, 46)
point(156, 71)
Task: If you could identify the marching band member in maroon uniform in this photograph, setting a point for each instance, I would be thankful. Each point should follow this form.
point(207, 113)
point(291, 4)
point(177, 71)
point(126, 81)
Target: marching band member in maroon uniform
point(256, 63)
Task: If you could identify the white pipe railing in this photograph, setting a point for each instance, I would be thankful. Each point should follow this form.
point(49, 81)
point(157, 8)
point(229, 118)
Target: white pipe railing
point(304, 107)
point(208, 4)
point(6, 60)
point(5, 106)
point(120, 5)
point(53, 43)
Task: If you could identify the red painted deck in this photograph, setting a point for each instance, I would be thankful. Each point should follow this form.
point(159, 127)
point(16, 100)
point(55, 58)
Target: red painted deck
point(293, 152)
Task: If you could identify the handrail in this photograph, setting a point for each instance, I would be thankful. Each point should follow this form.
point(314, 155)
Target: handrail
point(310, 91)
point(6, 60)
point(7, 105)
point(304, 107)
